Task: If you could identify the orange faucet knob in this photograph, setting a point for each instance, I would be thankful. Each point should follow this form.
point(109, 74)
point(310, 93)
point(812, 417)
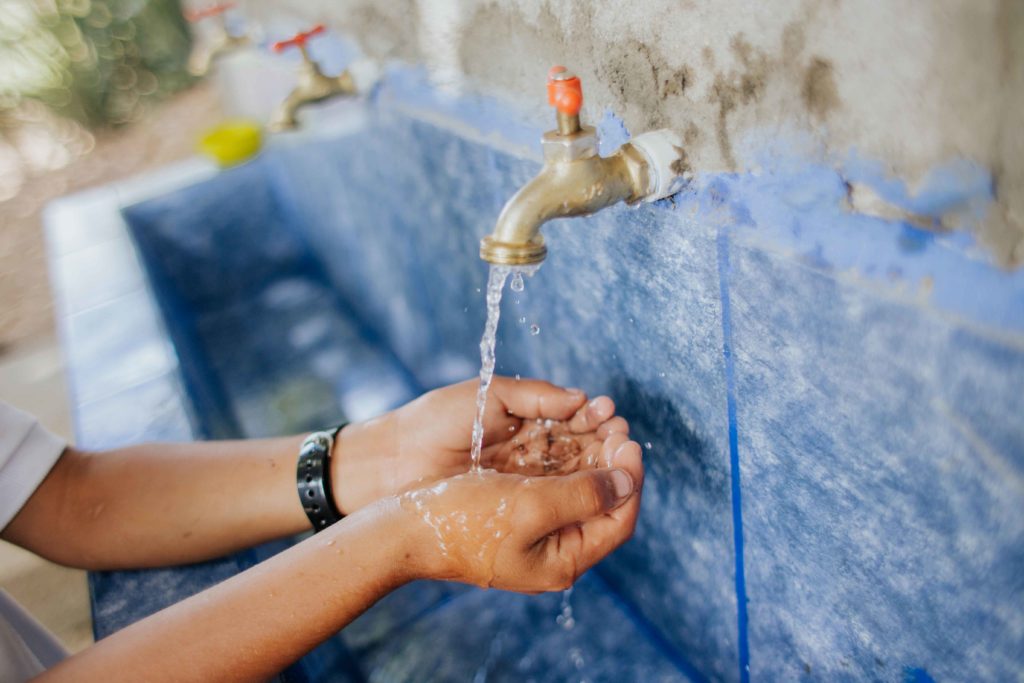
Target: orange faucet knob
point(216, 10)
point(299, 39)
point(565, 92)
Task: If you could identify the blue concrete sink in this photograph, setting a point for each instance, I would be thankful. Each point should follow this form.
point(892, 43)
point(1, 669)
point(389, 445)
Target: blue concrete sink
point(835, 460)
point(266, 345)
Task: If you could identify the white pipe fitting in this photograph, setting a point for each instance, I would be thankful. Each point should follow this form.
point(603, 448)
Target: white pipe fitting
point(668, 168)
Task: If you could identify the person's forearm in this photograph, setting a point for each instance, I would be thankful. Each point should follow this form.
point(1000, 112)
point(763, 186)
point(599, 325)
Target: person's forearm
point(161, 504)
point(255, 624)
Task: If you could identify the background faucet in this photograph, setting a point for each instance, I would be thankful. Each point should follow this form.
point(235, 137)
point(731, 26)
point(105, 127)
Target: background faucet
point(576, 181)
point(216, 42)
point(313, 85)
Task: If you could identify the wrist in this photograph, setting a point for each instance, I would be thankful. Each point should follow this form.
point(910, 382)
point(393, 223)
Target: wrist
point(401, 535)
point(357, 461)
point(371, 548)
point(423, 556)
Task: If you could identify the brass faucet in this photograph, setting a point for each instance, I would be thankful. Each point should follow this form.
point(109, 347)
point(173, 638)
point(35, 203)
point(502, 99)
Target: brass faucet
point(220, 41)
point(576, 181)
point(313, 85)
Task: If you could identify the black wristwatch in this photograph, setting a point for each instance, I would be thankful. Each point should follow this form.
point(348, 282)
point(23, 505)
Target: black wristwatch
point(313, 477)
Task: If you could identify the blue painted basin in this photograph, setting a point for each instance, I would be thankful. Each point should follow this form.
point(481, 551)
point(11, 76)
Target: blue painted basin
point(835, 457)
point(266, 345)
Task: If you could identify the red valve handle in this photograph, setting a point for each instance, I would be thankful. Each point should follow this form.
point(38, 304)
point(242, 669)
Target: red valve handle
point(207, 12)
point(565, 93)
point(299, 39)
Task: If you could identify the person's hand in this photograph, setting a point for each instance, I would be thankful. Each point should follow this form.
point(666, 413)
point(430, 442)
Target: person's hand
point(530, 427)
point(525, 534)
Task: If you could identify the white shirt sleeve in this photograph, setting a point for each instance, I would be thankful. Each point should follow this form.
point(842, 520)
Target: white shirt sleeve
point(27, 453)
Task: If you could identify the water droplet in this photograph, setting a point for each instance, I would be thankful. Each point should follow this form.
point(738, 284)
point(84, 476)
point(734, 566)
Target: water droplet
point(648, 445)
point(518, 377)
point(535, 329)
point(631, 320)
point(522, 320)
point(466, 309)
point(511, 428)
point(517, 283)
point(661, 374)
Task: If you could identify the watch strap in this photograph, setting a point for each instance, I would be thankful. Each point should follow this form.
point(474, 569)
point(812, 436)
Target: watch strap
point(313, 478)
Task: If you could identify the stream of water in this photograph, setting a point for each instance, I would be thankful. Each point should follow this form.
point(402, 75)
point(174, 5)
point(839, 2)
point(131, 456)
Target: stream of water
point(495, 285)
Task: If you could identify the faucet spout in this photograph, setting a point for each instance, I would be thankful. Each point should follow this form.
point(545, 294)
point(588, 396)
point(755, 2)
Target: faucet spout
point(576, 181)
point(313, 85)
point(204, 54)
point(214, 42)
point(576, 187)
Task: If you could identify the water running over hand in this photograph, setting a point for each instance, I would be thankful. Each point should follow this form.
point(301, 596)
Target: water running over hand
point(495, 285)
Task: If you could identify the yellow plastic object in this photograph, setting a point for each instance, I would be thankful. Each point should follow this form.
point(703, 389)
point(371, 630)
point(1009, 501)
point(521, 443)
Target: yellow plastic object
point(232, 142)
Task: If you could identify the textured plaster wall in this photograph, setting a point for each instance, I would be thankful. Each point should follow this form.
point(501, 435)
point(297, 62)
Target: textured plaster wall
point(910, 85)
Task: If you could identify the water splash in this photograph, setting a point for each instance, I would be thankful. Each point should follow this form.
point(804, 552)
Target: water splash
point(495, 284)
point(534, 329)
point(576, 657)
point(565, 618)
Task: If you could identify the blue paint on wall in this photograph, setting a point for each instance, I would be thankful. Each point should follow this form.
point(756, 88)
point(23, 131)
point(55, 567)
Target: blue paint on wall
point(800, 209)
point(957, 185)
point(734, 457)
point(916, 675)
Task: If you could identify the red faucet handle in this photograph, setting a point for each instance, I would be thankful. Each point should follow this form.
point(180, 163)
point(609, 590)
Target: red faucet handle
point(565, 92)
point(216, 10)
point(299, 39)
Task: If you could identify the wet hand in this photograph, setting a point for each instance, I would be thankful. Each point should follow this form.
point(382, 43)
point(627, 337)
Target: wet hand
point(525, 534)
point(530, 427)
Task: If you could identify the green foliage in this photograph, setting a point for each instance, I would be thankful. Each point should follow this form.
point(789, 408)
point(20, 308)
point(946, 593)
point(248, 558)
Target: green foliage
point(96, 61)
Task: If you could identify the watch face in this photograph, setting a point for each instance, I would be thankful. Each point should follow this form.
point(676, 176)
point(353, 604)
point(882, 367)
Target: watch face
point(318, 440)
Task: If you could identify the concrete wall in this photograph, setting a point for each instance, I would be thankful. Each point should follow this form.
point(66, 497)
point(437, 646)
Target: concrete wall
point(910, 85)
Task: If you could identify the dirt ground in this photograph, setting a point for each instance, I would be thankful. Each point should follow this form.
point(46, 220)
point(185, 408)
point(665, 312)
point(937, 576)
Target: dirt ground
point(167, 133)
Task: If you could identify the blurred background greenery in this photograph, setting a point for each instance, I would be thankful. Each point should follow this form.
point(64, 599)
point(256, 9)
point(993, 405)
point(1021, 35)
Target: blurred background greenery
point(98, 62)
point(85, 99)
